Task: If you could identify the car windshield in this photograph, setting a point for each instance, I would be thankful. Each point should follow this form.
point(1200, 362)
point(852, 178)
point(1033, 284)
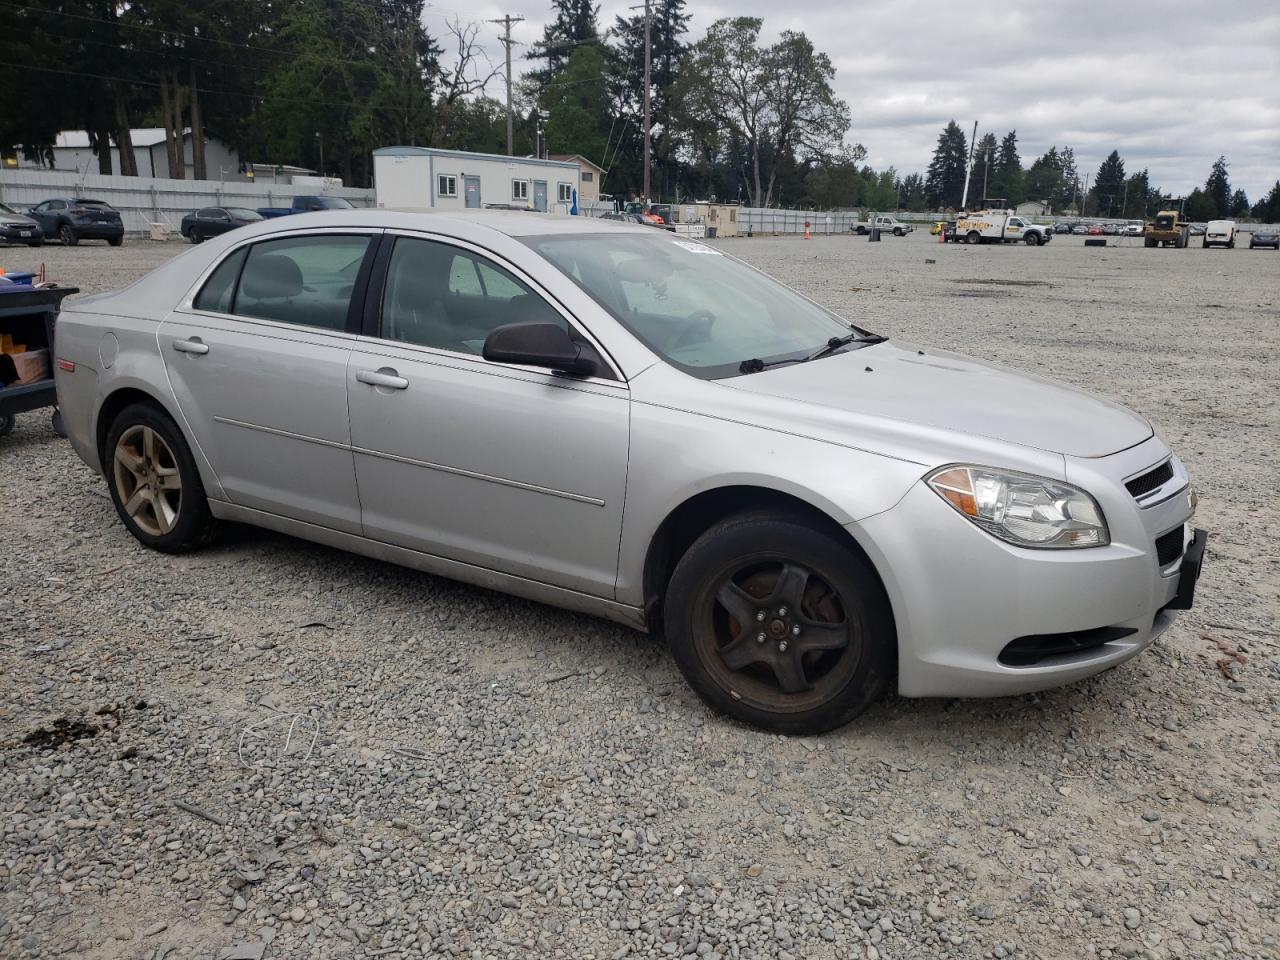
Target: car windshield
point(240, 213)
point(335, 203)
point(698, 309)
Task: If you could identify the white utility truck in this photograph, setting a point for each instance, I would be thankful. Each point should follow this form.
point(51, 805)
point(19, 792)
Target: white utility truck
point(994, 224)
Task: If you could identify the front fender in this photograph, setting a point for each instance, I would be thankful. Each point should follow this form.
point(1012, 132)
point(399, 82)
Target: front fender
point(846, 484)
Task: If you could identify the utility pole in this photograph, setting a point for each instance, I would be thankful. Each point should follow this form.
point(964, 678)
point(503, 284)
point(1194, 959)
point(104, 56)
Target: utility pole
point(506, 40)
point(648, 56)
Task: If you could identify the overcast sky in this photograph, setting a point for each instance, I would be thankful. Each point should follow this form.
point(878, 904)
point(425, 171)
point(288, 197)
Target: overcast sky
point(1171, 84)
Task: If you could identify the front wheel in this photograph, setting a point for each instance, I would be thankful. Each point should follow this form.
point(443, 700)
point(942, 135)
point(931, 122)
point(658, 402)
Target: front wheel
point(67, 235)
point(899, 233)
point(973, 237)
point(154, 483)
point(777, 623)
point(1031, 240)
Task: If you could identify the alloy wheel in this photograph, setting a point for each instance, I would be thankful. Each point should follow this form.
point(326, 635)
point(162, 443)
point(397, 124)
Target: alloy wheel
point(776, 636)
point(147, 480)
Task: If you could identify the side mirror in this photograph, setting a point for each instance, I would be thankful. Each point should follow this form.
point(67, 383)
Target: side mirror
point(538, 345)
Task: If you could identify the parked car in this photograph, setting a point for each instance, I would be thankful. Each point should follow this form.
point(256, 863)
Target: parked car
point(885, 224)
point(1062, 228)
point(207, 222)
point(1132, 229)
point(1110, 230)
point(309, 204)
point(1265, 237)
point(937, 228)
point(17, 227)
point(1220, 233)
point(610, 419)
point(72, 219)
point(1195, 230)
point(1096, 231)
point(648, 219)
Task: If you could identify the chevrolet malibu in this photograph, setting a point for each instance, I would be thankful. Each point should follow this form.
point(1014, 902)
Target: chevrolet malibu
point(615, 420)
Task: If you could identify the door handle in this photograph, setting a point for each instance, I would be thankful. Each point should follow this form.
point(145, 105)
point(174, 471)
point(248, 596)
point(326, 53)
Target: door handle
point(194, 345)
point(386, 377)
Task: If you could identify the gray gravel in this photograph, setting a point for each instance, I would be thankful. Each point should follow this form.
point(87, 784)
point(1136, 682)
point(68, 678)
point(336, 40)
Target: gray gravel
point(492, 778)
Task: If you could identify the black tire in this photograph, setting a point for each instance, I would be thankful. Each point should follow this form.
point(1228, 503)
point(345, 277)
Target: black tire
point(115, 241)
point(35, 243)
point(759, 554)
point(898, 233)
point(1231, 244)
point(6, 424)
point(192, 525)
point(67, 235)
point(972, 237)
point(55, 422)
point(194, 236)
point(1031, 240)
point(1148, 242)
point(1204, 244)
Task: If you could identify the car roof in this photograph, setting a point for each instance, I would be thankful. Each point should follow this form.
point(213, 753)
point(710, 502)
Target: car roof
point(513, 223)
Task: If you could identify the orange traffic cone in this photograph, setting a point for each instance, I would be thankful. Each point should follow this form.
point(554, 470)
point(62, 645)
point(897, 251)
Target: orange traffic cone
point(806, 229)
point(942, 235)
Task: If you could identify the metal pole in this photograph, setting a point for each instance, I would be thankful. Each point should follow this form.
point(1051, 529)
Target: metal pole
point(506, 41)
point(968, 168)
point(648, 56)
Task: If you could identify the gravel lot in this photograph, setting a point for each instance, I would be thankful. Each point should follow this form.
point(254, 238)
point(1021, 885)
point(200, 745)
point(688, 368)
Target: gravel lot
point(471, 775)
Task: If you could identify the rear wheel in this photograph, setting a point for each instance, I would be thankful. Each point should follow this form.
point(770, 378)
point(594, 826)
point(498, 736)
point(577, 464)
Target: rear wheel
point(67, 235)
point(115, 241)
point(1148, 242)
point(154, 482)
point(6, 424)
point(775, 622)
point(195, 236)
point(972, 237)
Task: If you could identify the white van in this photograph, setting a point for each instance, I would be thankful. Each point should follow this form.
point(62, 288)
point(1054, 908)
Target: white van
point(1220, 233)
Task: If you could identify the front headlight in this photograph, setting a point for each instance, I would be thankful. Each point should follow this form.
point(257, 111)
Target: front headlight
point(1021, 509)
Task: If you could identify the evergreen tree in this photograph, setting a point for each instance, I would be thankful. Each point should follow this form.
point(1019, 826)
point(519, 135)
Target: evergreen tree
point(1267, 210)
point(1069, 180)
point(1136, 196)
point(574, 26)
point(1044, 178)
point(983, 177)
point(1199, 206)
point(1008, 171)
point(944, 181)
point(1108, 186)
point(1239, 204)
point(1218, 188)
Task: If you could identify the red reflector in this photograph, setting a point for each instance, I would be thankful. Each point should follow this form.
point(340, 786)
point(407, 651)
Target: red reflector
point(67, 365)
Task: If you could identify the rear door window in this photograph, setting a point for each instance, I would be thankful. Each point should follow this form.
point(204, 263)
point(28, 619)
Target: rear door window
point(303, 280)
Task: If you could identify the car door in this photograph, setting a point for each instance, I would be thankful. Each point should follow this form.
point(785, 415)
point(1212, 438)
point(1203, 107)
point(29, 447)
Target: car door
point(46, 214)
point(258, 360)
point(510, 468)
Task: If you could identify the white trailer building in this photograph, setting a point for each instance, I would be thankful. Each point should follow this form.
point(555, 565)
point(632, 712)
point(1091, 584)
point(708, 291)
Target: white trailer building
point(424, 178)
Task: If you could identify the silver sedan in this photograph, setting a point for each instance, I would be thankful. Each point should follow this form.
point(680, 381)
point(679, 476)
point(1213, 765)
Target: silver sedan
point(615, 420)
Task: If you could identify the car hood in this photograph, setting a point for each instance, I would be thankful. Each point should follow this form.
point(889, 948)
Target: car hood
point(949, 391)
point(21, 218)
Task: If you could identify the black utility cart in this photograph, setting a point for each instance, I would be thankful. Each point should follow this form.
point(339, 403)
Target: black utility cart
point(27, 315)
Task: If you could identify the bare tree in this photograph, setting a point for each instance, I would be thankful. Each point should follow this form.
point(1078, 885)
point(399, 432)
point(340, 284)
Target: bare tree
point(468, 73)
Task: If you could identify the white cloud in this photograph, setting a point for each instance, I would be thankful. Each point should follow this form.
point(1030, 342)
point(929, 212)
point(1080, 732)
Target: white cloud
point(1171, 84)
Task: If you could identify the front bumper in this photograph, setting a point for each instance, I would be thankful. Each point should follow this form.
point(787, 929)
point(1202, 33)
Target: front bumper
point(960, 597)
point(23, 234)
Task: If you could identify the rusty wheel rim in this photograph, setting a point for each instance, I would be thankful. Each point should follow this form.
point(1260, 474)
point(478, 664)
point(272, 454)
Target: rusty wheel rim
point(776, 635)
point(147, 480)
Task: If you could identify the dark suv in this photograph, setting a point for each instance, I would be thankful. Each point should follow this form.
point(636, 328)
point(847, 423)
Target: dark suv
point(72, 219)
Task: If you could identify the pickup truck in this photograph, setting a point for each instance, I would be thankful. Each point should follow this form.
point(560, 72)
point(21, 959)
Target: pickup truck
point(886, 224)
point(305, 205)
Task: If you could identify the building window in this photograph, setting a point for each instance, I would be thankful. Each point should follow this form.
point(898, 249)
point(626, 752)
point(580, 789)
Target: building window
point(588, 176)
point(519, 189)
point(566, 192)
point(447, 186)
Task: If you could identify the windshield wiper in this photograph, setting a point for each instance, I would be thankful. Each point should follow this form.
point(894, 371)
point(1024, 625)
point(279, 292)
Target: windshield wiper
point(835, 343)
point(755, 365)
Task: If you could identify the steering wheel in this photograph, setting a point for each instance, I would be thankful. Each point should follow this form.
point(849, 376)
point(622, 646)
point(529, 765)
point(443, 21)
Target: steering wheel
point(698, 331)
